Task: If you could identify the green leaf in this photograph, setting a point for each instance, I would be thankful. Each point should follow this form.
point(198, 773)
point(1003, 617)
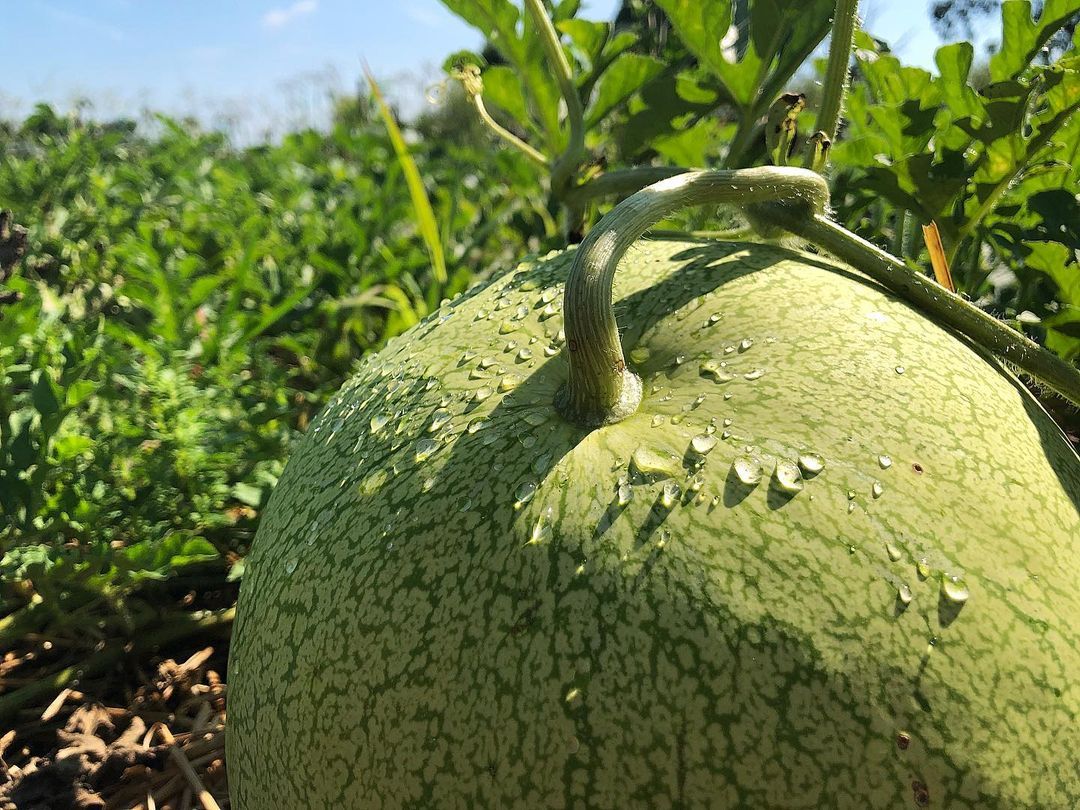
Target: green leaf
point(46, 395)
point(247, 494)
point(157, 559)
point(425, 216)
point(624, 77)
point(68, 447)
point(589, 37)
point(954, 67)
point(237, 570)
point(502, 88)
point(78, 391)
point(1023, 38)
point(702, 25)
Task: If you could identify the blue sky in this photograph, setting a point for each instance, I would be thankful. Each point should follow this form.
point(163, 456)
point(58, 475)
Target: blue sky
point(263, 62)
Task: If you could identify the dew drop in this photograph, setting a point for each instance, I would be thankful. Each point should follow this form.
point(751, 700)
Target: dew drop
point(290, 565)
point(639, 355)
point(657, 420)
point(524, 494)
point(439, 418)
point(747, 469)
point(509, 382)
point(541, 529)
point(884, 462)
point(954, 589)
point(703, 443)
point(922, 568)
point(811, 463)
point(506, 327)
point(756, 374)
point(425, 448)
point(745, 344)
point(900, 369)
point(535, 418)
point(877, 490)
point(893, 552)
point(475, 425)
point(715, 370)
point(789, 476)
point(904, 594)
point(714, 318)
point(669, 495)
point(482, 393)
point(378, 422)
point(625, 492)
point(524, 354)
point(652, 463)
point(679, 360)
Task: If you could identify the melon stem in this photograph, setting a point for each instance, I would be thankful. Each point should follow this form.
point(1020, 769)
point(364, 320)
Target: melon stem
point(601, 389)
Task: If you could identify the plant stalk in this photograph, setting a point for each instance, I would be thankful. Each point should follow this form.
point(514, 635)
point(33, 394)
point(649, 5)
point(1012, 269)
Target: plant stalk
point(845, 18)
point(562, 169)
point(601, 389)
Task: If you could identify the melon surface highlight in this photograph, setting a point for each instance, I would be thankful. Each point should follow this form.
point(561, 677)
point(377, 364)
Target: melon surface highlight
point(451, 602)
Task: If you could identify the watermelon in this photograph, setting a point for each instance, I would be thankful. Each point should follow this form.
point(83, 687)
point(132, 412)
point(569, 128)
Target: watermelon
point(831, 560)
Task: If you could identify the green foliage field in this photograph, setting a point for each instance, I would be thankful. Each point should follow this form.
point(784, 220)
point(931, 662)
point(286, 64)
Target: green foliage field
point(186, 307)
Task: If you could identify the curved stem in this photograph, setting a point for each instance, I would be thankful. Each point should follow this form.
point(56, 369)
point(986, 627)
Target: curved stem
point(600, 388)
point(621, 182)
point(508, 136)
point(836, 74)
point(564, 166)
point(930, 298)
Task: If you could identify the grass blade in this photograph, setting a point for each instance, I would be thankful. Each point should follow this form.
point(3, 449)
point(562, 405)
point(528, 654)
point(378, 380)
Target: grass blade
point(425, 216)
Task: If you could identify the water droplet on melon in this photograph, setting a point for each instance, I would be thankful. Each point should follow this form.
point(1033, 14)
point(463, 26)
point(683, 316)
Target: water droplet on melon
point(669, 495)
point(922, 568)
point(756, 374)
point(625, 493)
point(954, 589)
point(425, 448)
point(893, 552)
point(716, 371)
point(789, 476)
point(884, 462)
point(290, 565)
point(877, 490)
point(747, 469)
point(524, 354)
point(541, 529)
point(745, 344)
point(649, 462)
point(378, 422)
point(509, 382)
point(811, 463)
point(703, 443)
point(657, 420)
point(439, 418)
point(524, 494)
point(904, 594)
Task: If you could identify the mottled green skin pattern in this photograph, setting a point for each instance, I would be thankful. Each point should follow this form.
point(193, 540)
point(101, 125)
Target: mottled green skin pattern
point(409, 637)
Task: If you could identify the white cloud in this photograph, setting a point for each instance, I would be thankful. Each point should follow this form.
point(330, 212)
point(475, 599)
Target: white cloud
point(276, 18)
